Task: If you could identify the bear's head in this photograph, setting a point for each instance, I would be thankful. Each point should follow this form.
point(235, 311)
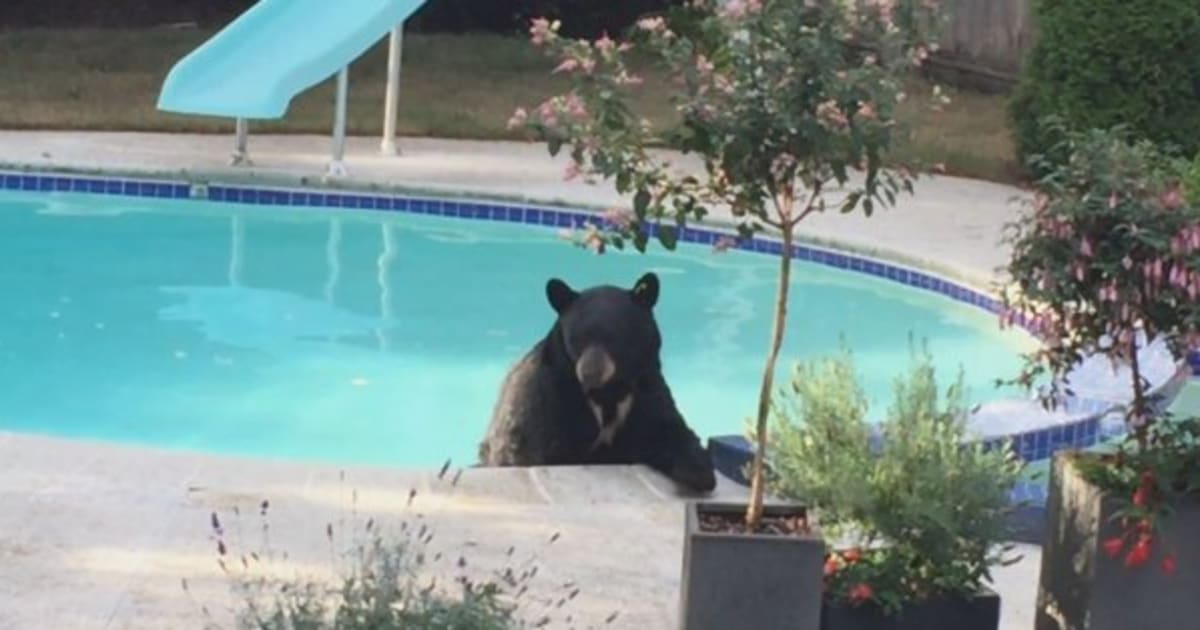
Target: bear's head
point(612, 341)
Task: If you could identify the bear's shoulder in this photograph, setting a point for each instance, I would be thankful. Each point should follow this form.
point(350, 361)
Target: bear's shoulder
point(532, 420)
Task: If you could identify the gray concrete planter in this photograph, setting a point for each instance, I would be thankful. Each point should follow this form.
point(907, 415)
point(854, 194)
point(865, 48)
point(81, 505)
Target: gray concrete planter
point(749, 581)
point(981, 612)
point(1082, 588)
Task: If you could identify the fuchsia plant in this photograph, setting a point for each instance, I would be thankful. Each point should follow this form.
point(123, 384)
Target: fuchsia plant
point(1108, 262)
point(787, 120)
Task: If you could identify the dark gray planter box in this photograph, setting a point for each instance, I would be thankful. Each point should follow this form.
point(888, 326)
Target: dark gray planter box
point(981, 612)
point(749, 581)
point(1082, 588)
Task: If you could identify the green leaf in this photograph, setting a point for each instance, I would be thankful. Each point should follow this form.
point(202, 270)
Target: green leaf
point(641, 201)
point(640, 240)
point(623, 181)
point(554, 145)
point(851, 201)
point(868, 206)
point(668, 236)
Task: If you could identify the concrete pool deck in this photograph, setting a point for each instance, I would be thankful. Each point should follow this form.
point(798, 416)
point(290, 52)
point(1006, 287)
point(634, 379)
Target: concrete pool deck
point(951, 224)
point(99, 535)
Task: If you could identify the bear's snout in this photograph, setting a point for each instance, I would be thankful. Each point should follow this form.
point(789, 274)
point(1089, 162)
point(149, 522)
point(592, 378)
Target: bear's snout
point(609, 400)
point(595, 368)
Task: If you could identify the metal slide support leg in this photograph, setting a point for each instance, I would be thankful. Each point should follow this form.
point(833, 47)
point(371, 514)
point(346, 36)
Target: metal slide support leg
point(337, 167)
point(241, 137)
point(392, 96)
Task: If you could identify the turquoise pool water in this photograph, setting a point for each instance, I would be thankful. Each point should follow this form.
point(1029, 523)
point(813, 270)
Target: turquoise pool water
point(373, 338)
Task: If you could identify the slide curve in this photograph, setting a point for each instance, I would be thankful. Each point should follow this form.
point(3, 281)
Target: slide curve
point(275, 50)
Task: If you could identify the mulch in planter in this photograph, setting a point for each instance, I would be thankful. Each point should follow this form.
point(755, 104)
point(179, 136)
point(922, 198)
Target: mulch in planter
point(979, 613)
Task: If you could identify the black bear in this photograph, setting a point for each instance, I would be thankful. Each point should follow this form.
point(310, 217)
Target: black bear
point(592, 392)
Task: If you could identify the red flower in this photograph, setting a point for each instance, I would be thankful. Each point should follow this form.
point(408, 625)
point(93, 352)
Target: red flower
point(1139, 554)
point(860, 593)
point(831, 566)
point(1168, 564)
point(1113, 546)
point(1139, 496)
point(852, 555)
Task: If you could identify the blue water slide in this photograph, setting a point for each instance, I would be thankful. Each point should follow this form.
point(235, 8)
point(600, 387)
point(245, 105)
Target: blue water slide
point(278, 48)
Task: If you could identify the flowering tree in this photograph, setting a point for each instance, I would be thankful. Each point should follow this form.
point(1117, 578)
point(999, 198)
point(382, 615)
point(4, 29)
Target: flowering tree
point(1109, 261)
point(781, 111)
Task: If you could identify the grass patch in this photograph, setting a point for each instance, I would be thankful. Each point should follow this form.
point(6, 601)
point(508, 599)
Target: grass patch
point(453, 86)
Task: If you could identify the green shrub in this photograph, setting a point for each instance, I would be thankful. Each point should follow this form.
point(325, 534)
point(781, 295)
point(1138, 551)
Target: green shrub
point(923, 514)
point(1191, 183)
point(382, 591)
point(379, 578)
point(1099, 63)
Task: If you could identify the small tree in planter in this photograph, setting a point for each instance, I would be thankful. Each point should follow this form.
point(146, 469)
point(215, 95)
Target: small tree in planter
point(1108, 262)
point(920, 515)
point(781, 113)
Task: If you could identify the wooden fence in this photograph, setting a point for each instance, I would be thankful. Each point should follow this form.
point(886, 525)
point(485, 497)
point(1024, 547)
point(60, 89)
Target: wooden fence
point(985, 41)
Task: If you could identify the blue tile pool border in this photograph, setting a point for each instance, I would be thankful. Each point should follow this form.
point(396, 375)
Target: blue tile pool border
point(510, 212)
point(728, 452)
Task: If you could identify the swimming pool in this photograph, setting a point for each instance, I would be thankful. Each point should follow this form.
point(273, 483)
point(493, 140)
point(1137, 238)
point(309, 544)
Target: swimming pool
point(365, 337)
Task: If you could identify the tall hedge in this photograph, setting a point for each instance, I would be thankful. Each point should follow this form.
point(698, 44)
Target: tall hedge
point(1097, 63)
point(580, 17)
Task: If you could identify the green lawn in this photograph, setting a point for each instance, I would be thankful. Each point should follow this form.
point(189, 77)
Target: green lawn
point(453, 86)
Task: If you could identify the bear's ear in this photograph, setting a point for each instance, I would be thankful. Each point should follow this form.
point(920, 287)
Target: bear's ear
point(645, 292)
point(560, 295)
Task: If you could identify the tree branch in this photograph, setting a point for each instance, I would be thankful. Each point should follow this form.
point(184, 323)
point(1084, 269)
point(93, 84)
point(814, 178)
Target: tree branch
point(809, 207)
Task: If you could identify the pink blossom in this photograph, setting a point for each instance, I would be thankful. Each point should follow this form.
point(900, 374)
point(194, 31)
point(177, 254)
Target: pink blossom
point(781, 166)
point(887, 10)
point(724, 244)
point(723, 83)
point(575, 106)
point(548, 114)
point(1085, 247)
point(625, 47)
point(572, 171)
point(1177, 278)
point(542, 30)
point(735, 9)
point(570, 64)
point(625, 78)
point(1172, 199)
point(619, 218)
point(652, 24)
point(519, 118)
point(867, 111)
point(605, 44)
point(1113, 200)
point(1108, 293)
point(703, 65)
point(830, 114)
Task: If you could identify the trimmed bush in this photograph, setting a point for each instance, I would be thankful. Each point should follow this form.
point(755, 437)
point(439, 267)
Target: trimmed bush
point(1100, 63)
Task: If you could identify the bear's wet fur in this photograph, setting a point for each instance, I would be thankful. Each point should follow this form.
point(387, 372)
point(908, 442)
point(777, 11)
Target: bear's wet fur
point(592, 392)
